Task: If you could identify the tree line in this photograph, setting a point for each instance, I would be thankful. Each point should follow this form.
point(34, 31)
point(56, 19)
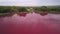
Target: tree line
point(10, 9)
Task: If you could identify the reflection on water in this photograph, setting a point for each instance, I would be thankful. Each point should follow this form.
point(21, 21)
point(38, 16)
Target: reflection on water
point(6, 15)
point(23, 14)
point(43, 14)
point(31, 23)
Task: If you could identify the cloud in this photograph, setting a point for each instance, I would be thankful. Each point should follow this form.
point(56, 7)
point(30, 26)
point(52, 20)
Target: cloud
point(29, 2)
point(20, 2)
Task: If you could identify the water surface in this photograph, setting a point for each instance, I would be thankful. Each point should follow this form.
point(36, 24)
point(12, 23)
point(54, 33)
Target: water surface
point(31, 23)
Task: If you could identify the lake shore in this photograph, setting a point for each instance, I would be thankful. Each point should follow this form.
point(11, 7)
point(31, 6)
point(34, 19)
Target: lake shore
point(30, 12)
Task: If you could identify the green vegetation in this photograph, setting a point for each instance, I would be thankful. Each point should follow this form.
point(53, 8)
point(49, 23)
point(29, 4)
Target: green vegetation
point(18, 9)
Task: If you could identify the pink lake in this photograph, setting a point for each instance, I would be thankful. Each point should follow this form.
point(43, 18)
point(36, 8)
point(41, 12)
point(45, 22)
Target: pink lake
point(31, 23)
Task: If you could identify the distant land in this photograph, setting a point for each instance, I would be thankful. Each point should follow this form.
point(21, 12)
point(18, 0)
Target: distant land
point(39, 6)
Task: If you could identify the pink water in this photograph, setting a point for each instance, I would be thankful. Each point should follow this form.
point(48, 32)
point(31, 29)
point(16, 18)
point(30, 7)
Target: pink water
point(30, 23)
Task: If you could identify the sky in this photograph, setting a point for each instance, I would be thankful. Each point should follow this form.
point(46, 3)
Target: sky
point(29, 2)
